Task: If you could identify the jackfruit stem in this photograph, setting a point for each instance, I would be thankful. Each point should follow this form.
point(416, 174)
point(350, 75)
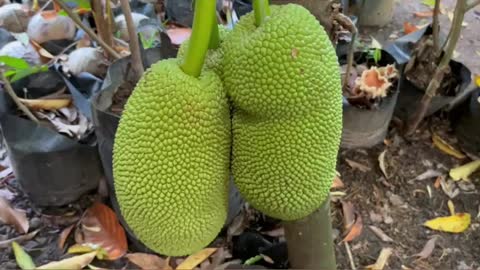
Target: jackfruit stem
point(203, 19)
point(261, 9)
point(215, 37)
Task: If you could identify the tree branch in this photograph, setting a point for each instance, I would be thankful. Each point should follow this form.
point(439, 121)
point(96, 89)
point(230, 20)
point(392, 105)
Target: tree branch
point(471, 4)
point(436, 41)
point(87, 30)
point(137, 64)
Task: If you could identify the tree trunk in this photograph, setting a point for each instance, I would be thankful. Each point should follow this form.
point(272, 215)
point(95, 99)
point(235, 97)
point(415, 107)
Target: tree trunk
point(320, 8)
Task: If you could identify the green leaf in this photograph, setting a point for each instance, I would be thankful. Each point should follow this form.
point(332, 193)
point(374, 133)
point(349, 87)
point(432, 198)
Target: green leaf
point(62, 13)
point(429, 3)
point(83, 4)
point(377, 55)
point(24, 261)
point(22, 73)
point(14, 62)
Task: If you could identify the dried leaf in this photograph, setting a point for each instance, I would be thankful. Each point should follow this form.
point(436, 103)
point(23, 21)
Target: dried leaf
point(446, 148)
point(193, 260)
point(424, 14)
point(337, 183)
point(237, 226)
point(13, 217)
point(179, 35)
point(24, 261)
point(355, 231)
point(146, 261)
point(21, 238)
point(356, 165)
point(7, 194)
point(430, 173)
point(383, 236)
point(427, 249)
point(449, 188)
point(437, 182)
point(41, 51)
point(477, 79)
point(77, 262)
point(100, 226)
point(409, 28)
point(454, 224)
point(46, 104)
point(64, 235)
point(464, 171)
point(381, 161)
point(278, 232)
point(381, 260)
point(348, 215)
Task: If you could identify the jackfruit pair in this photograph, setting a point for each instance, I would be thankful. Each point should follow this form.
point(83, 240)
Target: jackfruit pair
point(173, 143)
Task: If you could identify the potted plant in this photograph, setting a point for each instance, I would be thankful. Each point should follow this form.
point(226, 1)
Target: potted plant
point(370, 94)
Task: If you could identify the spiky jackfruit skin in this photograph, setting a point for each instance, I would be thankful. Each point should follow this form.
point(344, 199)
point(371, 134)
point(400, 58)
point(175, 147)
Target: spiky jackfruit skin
point(171, 159)
point(283, 80)
point(214, 57)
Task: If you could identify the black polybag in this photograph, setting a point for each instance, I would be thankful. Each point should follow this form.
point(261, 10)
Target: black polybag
point(51, 168)
point(465, 119)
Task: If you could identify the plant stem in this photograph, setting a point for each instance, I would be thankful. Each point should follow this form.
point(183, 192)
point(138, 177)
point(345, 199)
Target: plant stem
point(87, 30)
point(214, 37)
point(347, 23)
point(437, 78)
point(101, 21)
point(137, 64)
point(310, 241)
point(203, 19)
point(17, 101)
point(262, 11)
point(436, 27)
point(471, 4)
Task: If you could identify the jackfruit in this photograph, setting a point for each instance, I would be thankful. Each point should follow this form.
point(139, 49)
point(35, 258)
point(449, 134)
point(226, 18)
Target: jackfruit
point(171, 159)
point(214, 56)
point(283, 80)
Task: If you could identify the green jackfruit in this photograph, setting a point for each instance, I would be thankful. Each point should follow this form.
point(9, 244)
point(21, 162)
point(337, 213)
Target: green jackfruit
point(213, 57)
point(171, 159)
point(283, 80)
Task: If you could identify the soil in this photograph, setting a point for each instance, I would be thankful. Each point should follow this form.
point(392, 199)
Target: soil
point(121, 96)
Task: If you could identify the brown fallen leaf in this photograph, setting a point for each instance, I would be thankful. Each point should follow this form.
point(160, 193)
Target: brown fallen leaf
point(381, 163)
point(179, 35)
point(337, 182)
point(195, 259)
point(19, 239)
point(437, 182)
point(424, 14)
point(46, 104)
point(146, 261)
point(378, 232)
point(13, 217)
point(409, 28)
point(381, 260)
point(428, 248)
point(348, 215)
point(76, 262)
point(355, 231)
point(64, 235)
point(358, 166)
point(100, 226)
point(446, 148)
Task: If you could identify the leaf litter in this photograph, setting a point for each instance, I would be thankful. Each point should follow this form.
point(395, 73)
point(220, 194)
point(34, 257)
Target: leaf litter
point(428, 248)
point(14, 217)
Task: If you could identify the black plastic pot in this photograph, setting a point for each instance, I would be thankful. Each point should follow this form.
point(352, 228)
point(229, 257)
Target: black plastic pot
point(409, 95)
point(465, 119)
point(363, 128)
point(106, 124)
point(51, 168)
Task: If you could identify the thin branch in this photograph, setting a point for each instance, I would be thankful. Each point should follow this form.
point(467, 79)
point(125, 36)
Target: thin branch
point(471, 4)
point(347, 23)
point(17, 101)
point(137, 64)
point(87, 30)
point(436, 28)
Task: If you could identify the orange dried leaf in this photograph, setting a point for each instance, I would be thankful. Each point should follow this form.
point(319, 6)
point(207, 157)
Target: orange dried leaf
point(356, 230)
point(49, 14)
point(146, 261)
point(100, 226)
point(13, 217)
point(424, 14)
point(46, 104)
point(64, 235)
point(337, 183)
point(409, 28)
point(455, 224)
point(179, 35)
point(193, 260)
point(438, 182)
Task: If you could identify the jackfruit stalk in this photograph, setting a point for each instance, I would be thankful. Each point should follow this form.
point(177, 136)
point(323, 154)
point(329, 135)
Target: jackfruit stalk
point(172, 150)
point(281, 73)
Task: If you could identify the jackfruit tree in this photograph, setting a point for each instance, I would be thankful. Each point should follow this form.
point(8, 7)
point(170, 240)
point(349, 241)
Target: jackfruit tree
point(172, 149)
